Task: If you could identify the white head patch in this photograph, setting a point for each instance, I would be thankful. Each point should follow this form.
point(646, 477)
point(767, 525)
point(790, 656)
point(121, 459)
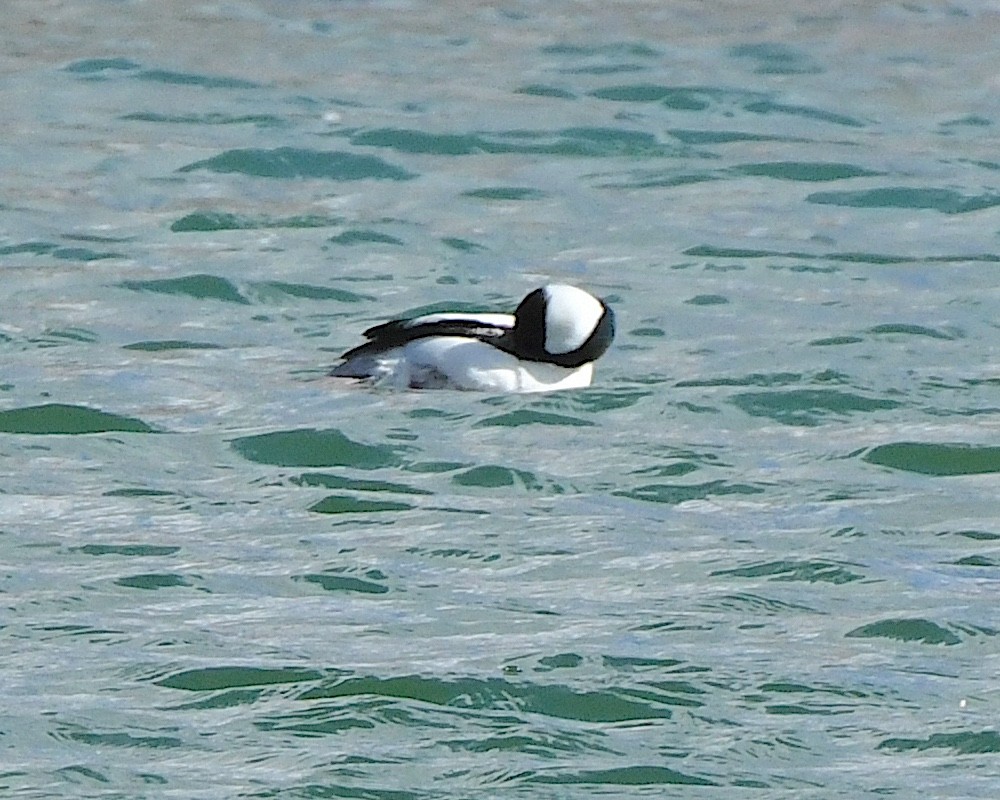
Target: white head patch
point(571, 315)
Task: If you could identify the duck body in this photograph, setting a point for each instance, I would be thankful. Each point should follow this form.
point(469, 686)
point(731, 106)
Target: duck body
point(549, 343)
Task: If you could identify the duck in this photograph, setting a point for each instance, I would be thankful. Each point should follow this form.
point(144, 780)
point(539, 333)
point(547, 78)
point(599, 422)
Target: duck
point(549, 343)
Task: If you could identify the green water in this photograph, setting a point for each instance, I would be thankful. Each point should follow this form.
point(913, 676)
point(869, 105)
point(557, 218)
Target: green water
point(757, 558)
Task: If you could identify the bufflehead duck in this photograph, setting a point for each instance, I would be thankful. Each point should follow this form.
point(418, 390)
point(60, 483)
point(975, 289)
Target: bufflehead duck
point(550, 342)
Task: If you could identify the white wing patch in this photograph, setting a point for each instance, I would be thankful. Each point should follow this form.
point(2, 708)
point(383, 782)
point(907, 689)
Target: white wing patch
point(486, 320)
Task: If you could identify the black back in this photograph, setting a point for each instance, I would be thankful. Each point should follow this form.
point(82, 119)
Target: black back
point(526, 339)
point(400, 331)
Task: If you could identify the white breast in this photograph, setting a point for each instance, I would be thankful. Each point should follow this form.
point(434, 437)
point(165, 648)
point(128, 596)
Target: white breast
point(460, 363)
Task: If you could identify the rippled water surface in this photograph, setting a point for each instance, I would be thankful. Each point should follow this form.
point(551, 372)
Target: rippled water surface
point(759, 557)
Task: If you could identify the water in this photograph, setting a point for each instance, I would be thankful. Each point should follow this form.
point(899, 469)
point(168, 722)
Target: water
point(759, 556)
